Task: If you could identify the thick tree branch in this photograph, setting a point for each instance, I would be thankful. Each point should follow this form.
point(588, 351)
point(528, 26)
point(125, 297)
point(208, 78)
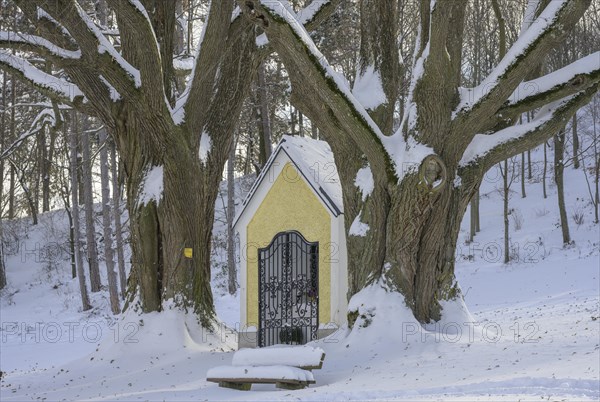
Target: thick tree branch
point(487, 150)
point(53, 30)
point(317, 12)
point(49, 85)
point(311, 74)
point(552, 87)
point(39, 45)
point(481, 103)
point(140, 47)
point(208, 60)
point(379, 64)
point(436, 89)
point(96, 50)
point(82, 72)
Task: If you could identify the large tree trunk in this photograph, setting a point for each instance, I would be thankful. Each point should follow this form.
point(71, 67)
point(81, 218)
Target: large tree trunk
point(172, 209)
point(166, 223)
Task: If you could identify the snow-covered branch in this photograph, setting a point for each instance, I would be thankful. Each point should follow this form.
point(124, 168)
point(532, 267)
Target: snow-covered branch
point(316, 12)
point(97, 51)
point(46, 116)
point(54, 87)
point(311, 74)
point(485, 150)
point(480, 103)
point(139, 40)
point(208, 59)
point(36, 44)
point(554, 86)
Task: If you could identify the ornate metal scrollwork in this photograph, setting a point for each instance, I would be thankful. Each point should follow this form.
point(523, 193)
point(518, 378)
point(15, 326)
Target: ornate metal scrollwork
point(288, 290)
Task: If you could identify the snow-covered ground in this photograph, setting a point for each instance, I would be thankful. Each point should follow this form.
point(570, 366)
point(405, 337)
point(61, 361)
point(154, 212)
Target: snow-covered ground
point(532, 330)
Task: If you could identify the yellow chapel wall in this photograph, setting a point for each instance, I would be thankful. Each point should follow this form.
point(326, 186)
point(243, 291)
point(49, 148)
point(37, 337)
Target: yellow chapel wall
point(290, 204)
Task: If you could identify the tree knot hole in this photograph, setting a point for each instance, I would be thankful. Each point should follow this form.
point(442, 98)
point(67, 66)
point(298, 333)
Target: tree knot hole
point(433, 174)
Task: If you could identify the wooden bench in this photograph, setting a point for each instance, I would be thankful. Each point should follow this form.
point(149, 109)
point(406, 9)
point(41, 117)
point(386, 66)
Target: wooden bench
point(286, 367)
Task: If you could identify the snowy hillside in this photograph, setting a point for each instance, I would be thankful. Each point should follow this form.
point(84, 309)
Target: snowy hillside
point(532, 329)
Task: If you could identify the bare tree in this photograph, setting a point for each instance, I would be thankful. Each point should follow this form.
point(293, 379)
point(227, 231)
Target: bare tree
point(3, 281)
point(106, 224)
point(117, 217)
point(559, 167)
point(230, 215)
point(88, 197)
point(85, 301)
point(508, 173)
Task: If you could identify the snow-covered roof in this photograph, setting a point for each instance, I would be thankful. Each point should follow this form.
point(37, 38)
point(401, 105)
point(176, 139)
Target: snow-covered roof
point(314, 160)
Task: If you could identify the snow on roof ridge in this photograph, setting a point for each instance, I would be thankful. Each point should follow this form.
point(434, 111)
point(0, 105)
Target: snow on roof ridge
point(314, 159)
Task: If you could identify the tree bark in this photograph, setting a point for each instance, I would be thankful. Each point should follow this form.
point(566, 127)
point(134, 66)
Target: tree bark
point(12, 136)
point(231, 271)
point(414, 223)
point(3, 281)
point(575, 143)
point(559, 152)
point(523, 193)
point(505, 197)
point(117, 217)
point(85, 301)
point(88, 195)
point(545, 170)
point(106, 223)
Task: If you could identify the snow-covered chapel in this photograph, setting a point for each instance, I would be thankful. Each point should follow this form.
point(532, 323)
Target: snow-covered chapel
point(293, 269)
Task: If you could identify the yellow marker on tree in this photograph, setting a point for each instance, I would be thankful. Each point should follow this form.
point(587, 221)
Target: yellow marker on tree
point(188, 252)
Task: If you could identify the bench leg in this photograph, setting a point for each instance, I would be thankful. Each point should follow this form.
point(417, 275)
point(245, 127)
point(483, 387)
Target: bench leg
point(287, 385)
point(236, 385)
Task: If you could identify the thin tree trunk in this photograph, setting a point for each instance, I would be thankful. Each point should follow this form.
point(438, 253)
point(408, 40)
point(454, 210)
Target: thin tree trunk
point(90, 227)
point(292, 120)
point(27, 193)
point(80, 178)
point(230, 215)
point(47, 167)
point(3, 281)
point(266, 146)
point(545, 170)
point(2, 141)
point(559, 150)
point(106, 220)
point(85, 301)
point(529, 174)
point(575, 143)
point(12, 137)
point(523, 193)
point(118, 226)
point(45, 174)
point(597, 163)
point(314, 131)
point(474, 217)
point(505, 194)
point(71, 242)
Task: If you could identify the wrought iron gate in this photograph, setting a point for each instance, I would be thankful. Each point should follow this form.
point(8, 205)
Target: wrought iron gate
point(288, 298)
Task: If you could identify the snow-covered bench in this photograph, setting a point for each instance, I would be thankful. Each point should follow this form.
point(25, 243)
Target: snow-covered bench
point(286, 367)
